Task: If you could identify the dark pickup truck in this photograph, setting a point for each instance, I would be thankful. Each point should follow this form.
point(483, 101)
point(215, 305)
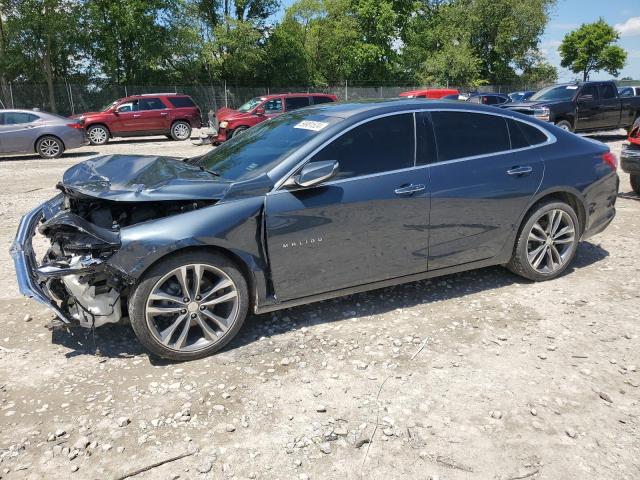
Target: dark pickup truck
point(582, 107)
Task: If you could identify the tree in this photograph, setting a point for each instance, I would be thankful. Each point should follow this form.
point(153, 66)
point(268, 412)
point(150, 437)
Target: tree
point(592, 48)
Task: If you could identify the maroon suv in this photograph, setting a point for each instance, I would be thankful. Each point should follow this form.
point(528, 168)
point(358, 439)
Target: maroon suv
point(173, 115)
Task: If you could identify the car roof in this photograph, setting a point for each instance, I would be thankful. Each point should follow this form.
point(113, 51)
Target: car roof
point(39, 113)
point(346, 110)
point(299, 94)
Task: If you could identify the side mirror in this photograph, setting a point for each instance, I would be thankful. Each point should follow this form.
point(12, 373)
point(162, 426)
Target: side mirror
point(314, 173)
point(259, 111)
point(586, 98)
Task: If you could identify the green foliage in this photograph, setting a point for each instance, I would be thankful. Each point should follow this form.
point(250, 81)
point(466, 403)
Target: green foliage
point(592, 48)
point(314, 43)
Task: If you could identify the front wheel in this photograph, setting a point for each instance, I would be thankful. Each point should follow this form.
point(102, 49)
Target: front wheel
point(546, 243)
point(98, 135)
point(189, 305)
point(49, 147)
point(565, 125)
point(181, 131)
point(635, 183)
point(239, 131)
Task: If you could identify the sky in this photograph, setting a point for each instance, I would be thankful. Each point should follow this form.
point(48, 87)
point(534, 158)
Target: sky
point(570, 14)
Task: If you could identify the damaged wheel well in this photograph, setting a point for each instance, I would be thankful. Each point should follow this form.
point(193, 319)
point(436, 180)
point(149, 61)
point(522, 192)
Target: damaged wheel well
point(240, 263)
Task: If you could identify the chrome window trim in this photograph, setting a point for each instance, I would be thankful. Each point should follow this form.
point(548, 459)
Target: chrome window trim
point(551, 139)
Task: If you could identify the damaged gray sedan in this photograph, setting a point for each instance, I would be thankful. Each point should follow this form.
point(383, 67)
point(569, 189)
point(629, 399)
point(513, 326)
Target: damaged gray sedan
point(314, 204)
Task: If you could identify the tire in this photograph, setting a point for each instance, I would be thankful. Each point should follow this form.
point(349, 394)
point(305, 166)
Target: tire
point(49, 147)
point(239, 131)
point(636, 124)
point(98, 135)
point(536, 224)
point(635, 183)
point(181, 130)
point(565, 125)
point(205, 334)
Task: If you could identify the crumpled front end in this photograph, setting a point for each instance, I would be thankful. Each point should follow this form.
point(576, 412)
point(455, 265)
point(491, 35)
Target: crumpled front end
point(73, 279)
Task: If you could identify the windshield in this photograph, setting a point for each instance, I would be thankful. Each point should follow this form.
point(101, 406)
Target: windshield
point(562, 92)
point(251, 104)
point(262, 147)
point(108, 106)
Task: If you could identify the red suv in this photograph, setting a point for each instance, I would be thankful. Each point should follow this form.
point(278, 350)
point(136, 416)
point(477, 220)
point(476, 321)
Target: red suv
point(227, 122)
point(169, 114)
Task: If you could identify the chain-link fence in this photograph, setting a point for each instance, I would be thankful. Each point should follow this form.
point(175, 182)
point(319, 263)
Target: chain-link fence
point(73, 99)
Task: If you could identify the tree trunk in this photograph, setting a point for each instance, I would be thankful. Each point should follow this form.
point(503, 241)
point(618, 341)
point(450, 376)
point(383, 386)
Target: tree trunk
point(48, 69)
point(4, 86)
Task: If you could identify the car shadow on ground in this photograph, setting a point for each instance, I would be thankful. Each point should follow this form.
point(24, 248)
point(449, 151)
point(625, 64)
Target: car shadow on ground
point(119, 341)
point(38, 157)
point(629, 196)
point(154, 139)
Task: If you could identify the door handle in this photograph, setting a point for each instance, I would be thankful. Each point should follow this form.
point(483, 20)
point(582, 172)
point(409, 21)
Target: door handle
point(520, 170)
point(409, 189)
point(135, 115)
point(163, 114)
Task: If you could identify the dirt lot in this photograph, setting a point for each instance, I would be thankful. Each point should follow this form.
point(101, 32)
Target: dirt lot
point(516, 380)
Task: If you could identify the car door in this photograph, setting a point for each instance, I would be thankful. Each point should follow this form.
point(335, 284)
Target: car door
point(588, 112)
point(609, 105)
point(153, 115)
point(18, 132)
point(480, 185)
point(367, 224)
point(294, 103)
point(124, 118)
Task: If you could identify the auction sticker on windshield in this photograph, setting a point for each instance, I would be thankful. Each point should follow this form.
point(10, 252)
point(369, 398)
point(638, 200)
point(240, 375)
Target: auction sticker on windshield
point(311, 125)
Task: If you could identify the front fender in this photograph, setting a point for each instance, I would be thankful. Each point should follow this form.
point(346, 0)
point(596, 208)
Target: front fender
point(233, 226)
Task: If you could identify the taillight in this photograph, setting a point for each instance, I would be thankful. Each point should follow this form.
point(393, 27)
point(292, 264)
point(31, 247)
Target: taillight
point(611, 160)
point(75, 125)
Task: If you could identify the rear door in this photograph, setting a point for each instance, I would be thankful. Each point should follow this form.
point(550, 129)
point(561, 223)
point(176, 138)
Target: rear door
point(588, 111)
point(609, 105)
point(294, 103)
point(18, 132)
point(369, 223)
point(483, 178)
point(153, 115)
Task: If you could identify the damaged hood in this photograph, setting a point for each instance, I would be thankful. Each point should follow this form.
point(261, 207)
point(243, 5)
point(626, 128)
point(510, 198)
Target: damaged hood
point(138, 178)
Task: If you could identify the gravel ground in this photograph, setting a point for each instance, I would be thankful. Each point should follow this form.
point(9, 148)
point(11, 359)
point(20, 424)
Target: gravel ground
point(478, 375)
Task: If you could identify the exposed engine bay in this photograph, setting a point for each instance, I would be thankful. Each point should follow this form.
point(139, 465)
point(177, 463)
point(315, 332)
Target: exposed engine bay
point(84, 232)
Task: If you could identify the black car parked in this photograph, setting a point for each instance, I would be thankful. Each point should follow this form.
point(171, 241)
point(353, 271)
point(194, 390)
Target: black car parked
point(582, 107)
point(317, 203)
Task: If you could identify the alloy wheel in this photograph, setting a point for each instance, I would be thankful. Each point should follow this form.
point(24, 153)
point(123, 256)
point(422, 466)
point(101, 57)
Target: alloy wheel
point(550, 241)
point(181, 131)
point(98, 135)
point(192, 307)
point(49, 147)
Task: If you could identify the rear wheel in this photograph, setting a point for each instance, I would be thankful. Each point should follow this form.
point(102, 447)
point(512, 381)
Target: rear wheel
point(239, 131)
point(49, 147)
point(565, 125)
point(189, 305)
point(98, 135)
point(546, 243)
point(635, 183)
point(181, 131)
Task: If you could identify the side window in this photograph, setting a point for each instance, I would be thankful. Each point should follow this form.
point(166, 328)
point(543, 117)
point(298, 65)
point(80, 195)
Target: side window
point(463, 134)
point(625, 92)
point(426, 151)
point(607, 91)
point(151, 104)
point(590, 90)
point(533, 135)
point(293, 103)
point(128, 107)
point(273, 106)
point(18, 118)
point(380, 145)
point(477, 99)
point(318, 100)
point(181, 102)
point(518, 139)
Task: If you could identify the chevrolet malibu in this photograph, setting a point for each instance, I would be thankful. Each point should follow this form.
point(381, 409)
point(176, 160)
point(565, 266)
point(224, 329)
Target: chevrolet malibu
point(317, 203)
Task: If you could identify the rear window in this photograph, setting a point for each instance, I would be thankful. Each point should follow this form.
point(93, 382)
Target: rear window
point(320, 99)
point(181, 102)
point(463, 134)
point(294, 103)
